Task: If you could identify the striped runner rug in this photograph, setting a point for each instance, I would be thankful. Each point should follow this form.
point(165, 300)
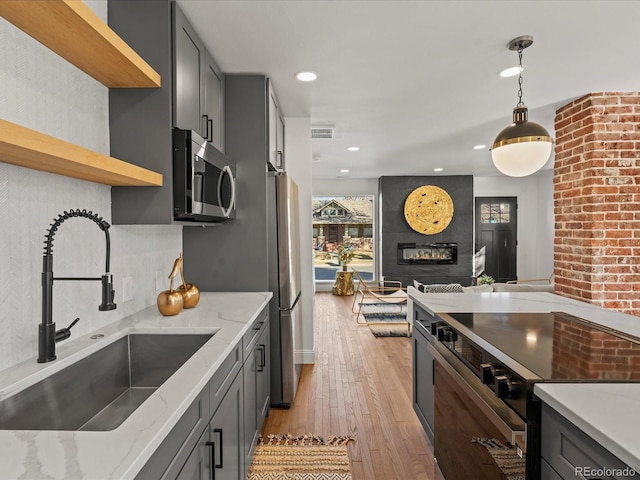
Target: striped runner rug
point(386, 319)
point(305, 457)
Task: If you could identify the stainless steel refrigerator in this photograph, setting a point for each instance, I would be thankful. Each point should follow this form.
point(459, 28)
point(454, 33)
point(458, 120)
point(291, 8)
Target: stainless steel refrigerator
point(284, 282)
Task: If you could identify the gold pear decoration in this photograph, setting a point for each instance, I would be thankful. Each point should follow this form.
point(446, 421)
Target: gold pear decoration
point(190, 293)
point(170, 301)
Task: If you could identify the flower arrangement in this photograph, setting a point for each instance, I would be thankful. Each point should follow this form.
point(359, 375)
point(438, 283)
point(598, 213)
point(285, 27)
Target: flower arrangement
point(345, 255)
point(485, 280)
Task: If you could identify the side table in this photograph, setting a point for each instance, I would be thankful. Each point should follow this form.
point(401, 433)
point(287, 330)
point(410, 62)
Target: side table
point(343, 284)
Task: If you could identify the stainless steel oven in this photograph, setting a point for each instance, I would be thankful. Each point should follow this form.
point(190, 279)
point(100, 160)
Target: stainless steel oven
point(467, 417)
point(486, 367)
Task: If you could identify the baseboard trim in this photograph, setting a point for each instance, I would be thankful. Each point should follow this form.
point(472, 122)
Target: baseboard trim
point(305, 356)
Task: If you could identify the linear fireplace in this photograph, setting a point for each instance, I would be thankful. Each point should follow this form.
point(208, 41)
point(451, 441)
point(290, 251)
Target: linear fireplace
point(427, 254)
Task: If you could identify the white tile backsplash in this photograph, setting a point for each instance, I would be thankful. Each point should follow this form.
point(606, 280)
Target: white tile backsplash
point(46, 93)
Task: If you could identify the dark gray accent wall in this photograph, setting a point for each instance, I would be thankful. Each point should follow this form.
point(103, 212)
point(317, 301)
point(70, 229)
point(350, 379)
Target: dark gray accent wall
point(393, 192)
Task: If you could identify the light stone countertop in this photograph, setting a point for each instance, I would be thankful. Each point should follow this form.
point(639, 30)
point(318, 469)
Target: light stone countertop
point(507, 302)
point(121, 453)
point(608, 413)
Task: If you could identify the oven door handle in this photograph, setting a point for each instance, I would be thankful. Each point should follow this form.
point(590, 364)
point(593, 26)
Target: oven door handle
point(510, 425)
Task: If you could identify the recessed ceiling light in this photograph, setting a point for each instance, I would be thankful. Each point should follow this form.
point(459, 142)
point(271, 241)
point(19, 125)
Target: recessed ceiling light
point(344, 170)
point(510, 72)
point(479, 147)
point(439, 169)
point(353, 149)
point(306, 76)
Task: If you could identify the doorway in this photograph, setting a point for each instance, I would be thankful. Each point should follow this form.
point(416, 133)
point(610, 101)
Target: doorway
point(497, 230)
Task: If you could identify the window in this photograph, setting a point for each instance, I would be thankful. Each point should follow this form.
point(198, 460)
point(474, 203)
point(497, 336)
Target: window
point(340, 219)
point(495, 213)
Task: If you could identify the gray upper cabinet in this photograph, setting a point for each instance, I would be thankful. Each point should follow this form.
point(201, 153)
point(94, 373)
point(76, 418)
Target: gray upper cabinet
point(199, 84)
point(276, 132)
point(214, 103)
point(188, 54)
point(141, 120)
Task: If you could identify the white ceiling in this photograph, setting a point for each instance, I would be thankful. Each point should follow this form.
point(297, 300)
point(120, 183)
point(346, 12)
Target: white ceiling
point(414, 84)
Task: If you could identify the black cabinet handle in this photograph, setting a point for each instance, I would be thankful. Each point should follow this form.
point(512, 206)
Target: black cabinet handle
point(433, 372)
point(206, 126)
point(210, 130)
point(258, 326)
point(262, 358)
point(212, 458)
point(219, 430)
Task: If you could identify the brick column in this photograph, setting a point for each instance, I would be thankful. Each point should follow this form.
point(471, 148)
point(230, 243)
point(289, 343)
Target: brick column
point(597, 200)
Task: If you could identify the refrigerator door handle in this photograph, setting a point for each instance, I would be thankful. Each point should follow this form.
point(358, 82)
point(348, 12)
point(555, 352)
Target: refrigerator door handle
point(289, 309)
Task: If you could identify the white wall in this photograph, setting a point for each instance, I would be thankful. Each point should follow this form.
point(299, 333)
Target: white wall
point(39, 90)
point(535, 218)
point(298, 165)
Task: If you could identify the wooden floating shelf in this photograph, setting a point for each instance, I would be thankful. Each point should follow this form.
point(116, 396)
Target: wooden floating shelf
point(28, 148)
point(73, 31)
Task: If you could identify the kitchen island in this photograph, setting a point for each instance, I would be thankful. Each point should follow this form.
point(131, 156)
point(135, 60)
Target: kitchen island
point(123, 452)
point(604, 412)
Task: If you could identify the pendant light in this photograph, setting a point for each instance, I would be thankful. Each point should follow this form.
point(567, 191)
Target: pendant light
point(523, 147)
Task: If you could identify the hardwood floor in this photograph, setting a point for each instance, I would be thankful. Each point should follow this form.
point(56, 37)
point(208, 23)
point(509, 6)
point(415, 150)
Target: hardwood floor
point(360, 385)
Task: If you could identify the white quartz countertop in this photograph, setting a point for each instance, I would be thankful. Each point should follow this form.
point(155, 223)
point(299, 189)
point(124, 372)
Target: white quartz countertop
point(508, 302)
point(608, 413)
point(121, 453)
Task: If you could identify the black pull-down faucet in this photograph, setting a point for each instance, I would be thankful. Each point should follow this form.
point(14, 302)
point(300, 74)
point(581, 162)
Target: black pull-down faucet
point(47, 334)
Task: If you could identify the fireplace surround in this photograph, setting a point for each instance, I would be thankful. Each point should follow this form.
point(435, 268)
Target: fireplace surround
point(394, 230)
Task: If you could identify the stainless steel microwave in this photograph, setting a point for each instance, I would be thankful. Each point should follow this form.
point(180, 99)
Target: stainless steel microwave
point(204, 187)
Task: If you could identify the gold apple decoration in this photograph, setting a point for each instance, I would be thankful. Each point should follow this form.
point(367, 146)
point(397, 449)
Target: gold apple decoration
point(170, 301)
point(190, 293)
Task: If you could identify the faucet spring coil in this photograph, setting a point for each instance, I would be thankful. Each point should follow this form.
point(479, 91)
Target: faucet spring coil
point(53, 227)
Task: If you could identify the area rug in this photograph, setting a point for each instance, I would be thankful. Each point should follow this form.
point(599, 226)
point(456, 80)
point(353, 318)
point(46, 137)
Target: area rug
point(386, 320)
point(305, 457)
point(511, 464)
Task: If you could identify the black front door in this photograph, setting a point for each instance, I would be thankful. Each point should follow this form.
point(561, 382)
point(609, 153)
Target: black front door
point(496, 229)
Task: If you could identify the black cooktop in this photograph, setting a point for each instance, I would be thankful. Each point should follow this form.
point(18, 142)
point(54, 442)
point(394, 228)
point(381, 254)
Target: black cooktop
point(558, 346)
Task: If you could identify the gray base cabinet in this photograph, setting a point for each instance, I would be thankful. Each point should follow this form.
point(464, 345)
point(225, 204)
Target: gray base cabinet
point(256, 387)
point(217, 435)
point(219, 452)
point(567, 451)
point(423, 373)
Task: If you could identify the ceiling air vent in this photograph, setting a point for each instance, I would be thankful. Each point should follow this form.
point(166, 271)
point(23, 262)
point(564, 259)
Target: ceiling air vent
point(322, 132)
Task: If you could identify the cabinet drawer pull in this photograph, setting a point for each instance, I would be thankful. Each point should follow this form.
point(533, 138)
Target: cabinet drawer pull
point(262, 358)
point(212, 458)
point(258, 326)
point(215, 465)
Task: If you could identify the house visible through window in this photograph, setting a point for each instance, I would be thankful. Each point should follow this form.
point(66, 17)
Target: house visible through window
point(338, 220)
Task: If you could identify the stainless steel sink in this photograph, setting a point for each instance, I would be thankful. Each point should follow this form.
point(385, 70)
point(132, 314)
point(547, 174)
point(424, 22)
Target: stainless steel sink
point(100, 391)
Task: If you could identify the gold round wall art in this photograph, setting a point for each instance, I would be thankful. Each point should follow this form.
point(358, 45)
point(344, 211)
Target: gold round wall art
point(428, 209)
